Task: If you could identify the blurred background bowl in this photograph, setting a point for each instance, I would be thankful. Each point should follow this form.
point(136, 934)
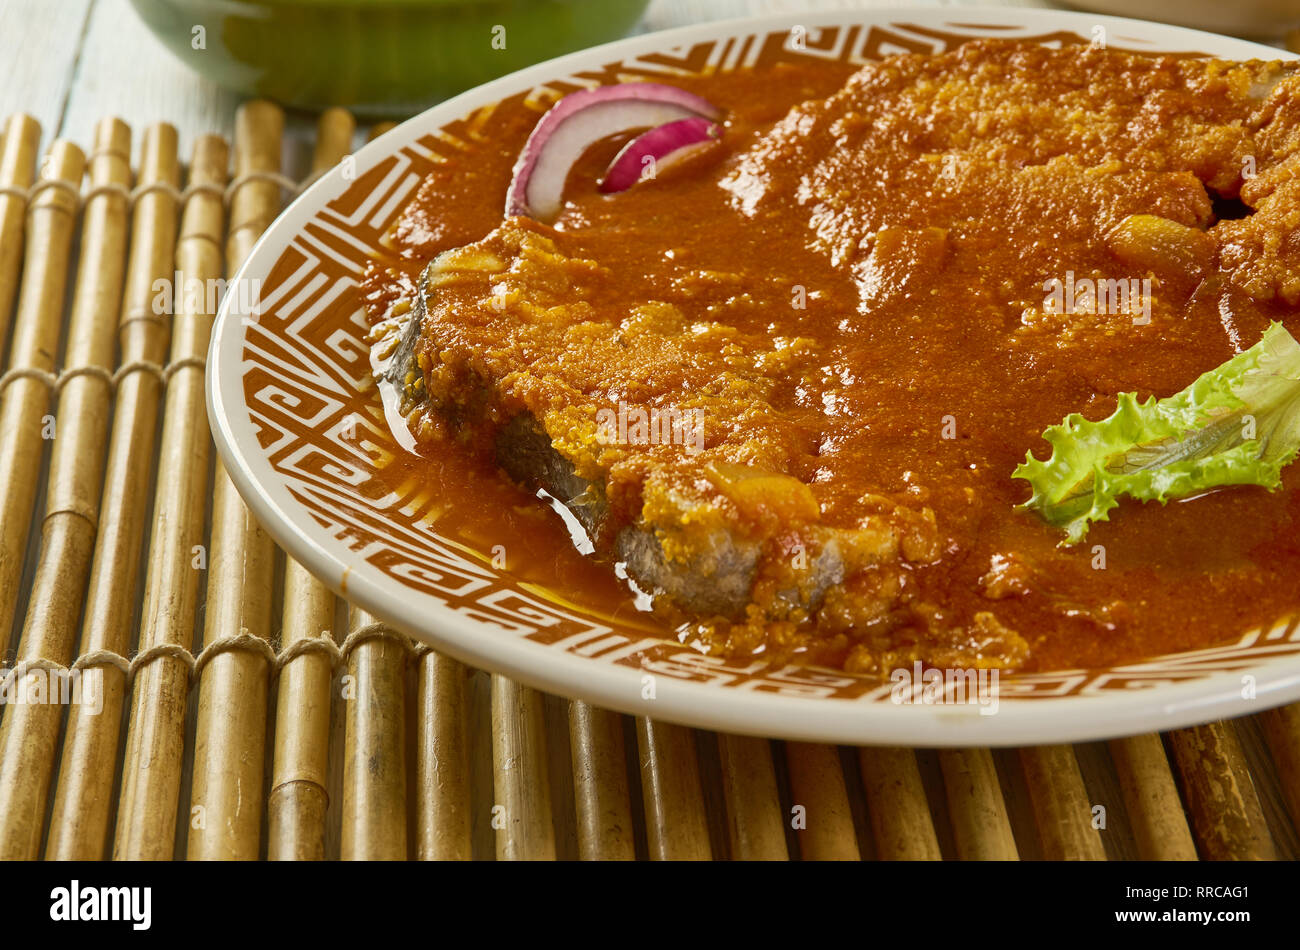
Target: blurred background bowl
point(1259, 19)
point(376, 57)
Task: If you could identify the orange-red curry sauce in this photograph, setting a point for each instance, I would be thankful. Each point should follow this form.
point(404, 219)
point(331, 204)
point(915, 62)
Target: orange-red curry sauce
point(1187, 575)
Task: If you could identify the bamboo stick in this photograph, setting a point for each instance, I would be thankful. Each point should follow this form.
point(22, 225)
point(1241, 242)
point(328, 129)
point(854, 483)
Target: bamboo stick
point(1282, 730)
point(603, 802)
point(480, 743)
point(444, 825)
point(559, 769)
point(674, 800)
point(51, 220)
point(1060, 804)
point(230, 734)
point(259, 131)
point(299, 772)
point(374, 756)
point(1151, 799)
point(151, 777)
point(754, 820)
point(976, 807)
point(1226, 815)
point(817, 785)
point(22, 137)
point(83, 798)
point(334, 130)
point(521, 779)
point(900, 814)
point(1261, 769)
point(29, 734)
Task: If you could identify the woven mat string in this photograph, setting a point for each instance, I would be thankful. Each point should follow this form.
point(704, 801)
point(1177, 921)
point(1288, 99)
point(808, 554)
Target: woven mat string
point(28, 372)
point(275, 178)
point(374, 631)
point(132, 195)
point(26, 666)
point(108, 151)
point(71, 188)
point(104, 658)
point(56, 383)
point(338, 654)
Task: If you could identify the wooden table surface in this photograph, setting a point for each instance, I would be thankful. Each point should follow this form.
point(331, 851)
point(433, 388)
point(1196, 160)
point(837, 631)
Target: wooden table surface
point(69, 63)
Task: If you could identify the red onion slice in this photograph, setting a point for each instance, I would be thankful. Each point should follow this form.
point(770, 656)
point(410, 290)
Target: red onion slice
point(659, 149)
point(578, 121)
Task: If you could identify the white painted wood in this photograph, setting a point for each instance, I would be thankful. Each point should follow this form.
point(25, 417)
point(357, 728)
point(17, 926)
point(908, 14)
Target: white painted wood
point(39, 40)
point(123, 70)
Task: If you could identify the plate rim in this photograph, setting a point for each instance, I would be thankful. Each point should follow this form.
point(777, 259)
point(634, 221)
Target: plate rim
point(1017, 722)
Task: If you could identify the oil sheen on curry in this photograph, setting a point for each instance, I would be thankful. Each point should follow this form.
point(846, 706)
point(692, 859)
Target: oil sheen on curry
point(770, 346)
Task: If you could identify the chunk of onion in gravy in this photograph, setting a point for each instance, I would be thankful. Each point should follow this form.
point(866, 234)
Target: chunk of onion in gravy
point(1159, 245)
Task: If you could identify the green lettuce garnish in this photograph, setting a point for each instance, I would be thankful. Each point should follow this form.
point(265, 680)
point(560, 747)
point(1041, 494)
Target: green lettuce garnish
point(1236, 425)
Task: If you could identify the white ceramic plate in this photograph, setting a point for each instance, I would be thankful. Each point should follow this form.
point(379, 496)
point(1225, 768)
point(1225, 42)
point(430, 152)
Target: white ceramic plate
point(281, 386)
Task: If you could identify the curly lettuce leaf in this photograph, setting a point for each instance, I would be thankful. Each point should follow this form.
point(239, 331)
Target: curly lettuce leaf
point(1238, 424)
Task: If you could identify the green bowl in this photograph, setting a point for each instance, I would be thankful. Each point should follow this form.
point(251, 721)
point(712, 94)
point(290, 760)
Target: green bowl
point(376, 57)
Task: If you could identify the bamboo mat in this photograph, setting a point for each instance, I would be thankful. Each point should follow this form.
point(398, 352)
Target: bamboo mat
point(232, 727)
